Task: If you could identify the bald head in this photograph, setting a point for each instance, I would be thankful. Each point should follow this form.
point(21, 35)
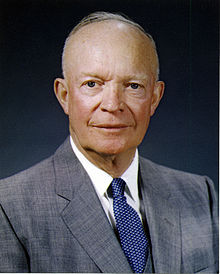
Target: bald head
point(115, 30)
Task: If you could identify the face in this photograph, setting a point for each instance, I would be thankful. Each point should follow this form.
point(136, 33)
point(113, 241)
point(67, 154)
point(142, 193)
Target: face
point(110, 89)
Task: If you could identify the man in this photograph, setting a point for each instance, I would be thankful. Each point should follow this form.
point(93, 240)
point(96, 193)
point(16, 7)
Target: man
point(96, 205)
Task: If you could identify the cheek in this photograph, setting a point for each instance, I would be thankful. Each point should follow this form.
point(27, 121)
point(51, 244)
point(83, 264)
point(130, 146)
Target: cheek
point(141, 112)
point(79, 108)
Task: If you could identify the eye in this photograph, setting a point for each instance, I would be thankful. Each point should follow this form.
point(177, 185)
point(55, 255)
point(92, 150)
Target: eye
point(134, 86)
point(91, 84)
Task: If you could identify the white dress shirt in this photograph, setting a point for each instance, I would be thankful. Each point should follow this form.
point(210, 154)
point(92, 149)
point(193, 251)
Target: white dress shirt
point(102, 180)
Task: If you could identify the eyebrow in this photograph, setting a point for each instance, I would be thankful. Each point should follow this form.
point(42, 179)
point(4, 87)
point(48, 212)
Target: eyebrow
point(91, 74)
point(127, 77)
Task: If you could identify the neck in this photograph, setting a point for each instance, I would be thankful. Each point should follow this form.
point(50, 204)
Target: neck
point(114, 165)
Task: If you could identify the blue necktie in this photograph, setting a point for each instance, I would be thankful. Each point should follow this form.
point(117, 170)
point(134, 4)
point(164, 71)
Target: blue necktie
point(131, 233)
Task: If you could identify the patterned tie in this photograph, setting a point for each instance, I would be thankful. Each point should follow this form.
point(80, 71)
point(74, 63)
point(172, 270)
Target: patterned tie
point(131, 233)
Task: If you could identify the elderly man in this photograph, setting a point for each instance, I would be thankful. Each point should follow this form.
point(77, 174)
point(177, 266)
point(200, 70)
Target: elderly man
point(96, 205)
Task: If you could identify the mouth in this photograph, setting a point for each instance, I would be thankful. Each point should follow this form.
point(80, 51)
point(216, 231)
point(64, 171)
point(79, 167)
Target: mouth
point(111, 127)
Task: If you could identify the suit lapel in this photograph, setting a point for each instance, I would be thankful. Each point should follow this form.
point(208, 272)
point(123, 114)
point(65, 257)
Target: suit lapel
point(163, 222)
point(84, 215)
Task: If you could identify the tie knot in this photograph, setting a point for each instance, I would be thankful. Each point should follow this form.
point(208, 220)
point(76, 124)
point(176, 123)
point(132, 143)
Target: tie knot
point(118, 187)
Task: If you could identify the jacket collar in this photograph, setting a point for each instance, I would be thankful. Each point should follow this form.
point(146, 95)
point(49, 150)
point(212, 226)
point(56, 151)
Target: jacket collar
point(82, 213)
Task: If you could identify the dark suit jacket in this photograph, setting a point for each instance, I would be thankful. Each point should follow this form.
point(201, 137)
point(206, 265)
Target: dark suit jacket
point(51, 220)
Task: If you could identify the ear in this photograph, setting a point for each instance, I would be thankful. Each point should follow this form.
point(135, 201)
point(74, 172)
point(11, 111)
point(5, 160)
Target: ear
point(61, 92)
point(157, 95)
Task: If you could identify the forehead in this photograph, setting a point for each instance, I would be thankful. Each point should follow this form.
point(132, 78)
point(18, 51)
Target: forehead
point(109, 39)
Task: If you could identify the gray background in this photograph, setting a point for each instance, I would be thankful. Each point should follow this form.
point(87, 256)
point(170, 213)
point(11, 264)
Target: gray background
point(183, 133)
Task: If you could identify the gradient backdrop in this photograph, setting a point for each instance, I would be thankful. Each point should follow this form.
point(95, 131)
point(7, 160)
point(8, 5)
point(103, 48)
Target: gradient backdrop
point(184, 131)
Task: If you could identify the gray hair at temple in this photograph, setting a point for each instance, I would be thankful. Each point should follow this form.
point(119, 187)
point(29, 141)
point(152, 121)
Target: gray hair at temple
point(104, 16)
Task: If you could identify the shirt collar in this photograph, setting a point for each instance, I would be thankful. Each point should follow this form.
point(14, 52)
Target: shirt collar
point(102, 180)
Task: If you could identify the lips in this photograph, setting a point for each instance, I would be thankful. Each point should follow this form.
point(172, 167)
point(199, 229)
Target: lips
point(110, 126)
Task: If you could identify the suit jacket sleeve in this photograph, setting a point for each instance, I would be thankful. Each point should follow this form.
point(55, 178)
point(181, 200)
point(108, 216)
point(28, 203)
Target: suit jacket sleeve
point(214, 216)
point(13, 257)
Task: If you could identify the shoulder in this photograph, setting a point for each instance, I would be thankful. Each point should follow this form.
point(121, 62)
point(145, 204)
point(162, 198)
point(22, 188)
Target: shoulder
point(37, 178)
point(175, 183)
point(29, 181)
point(164, 170)
point(39, 182)
point(27, 194)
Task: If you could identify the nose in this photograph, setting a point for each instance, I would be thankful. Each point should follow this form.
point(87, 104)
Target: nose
point(112, 100)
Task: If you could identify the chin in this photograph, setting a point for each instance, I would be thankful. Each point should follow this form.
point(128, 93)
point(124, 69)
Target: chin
point(110, 149)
